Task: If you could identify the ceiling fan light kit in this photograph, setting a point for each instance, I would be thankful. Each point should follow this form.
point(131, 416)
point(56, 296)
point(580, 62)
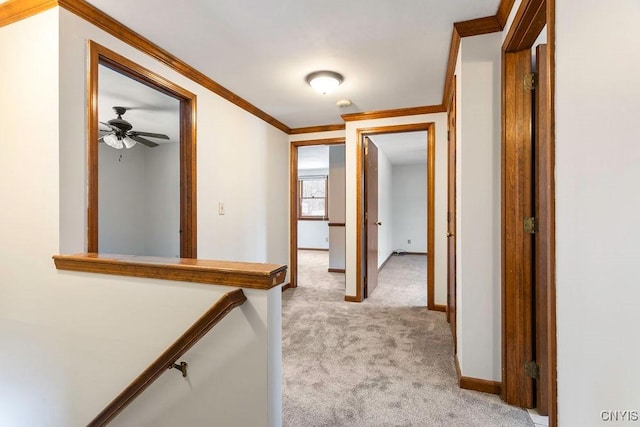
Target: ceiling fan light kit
point(324, 81)
point(112, 141)
point(121, 136)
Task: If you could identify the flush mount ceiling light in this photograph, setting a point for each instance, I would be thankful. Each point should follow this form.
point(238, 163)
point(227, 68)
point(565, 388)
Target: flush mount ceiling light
point(324, 81)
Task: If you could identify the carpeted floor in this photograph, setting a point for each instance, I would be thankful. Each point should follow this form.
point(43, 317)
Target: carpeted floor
point(385, 362)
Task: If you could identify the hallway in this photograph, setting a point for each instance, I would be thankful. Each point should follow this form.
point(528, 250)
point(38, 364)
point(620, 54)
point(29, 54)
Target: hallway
point(387, 361)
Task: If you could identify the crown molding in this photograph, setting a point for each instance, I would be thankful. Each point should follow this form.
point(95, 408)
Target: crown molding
point(479, 26)
point(15, 10)
point(383, 114)
point(321, 128)
point(451, 68)
point(473, 27)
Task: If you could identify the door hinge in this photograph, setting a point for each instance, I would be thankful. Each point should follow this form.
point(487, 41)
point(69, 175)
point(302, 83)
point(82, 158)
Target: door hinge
point(530, 225)
point(532, 369)
point(448, 135)
point(530, 81)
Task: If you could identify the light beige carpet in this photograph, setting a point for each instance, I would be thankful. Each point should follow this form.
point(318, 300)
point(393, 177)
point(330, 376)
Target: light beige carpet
point(385, 362)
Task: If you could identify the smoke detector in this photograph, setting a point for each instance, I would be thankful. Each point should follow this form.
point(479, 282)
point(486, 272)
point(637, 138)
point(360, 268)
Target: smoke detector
point(343, 103)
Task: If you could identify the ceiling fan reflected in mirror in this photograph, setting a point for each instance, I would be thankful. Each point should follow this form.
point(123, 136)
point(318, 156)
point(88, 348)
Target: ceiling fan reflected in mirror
point(119, 135)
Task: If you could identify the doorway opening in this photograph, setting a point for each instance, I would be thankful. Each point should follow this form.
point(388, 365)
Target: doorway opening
point(368, 224)
point(317, 201)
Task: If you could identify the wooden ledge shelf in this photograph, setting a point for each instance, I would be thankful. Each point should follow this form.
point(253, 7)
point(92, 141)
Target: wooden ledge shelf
point(226, 273)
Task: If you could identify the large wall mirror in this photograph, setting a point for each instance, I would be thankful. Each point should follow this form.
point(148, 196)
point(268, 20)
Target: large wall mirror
point(141, 149)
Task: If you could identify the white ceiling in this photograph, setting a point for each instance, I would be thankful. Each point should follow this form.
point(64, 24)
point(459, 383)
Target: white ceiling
point(392, 53)
point(408, 148)
point(150, 110)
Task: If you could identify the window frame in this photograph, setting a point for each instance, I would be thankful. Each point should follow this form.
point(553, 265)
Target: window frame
point(325, 216)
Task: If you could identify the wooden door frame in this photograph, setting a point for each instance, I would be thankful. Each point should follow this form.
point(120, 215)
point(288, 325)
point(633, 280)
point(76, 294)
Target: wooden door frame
point(517, 245)
point(545, 244)
point(367, 206)
point(100, 55)
point(452, 213)
point(293, 202)
point(430, 127)
point(529, 21)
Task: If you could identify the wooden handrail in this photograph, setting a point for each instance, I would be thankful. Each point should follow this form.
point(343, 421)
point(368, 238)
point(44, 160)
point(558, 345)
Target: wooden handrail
point(226, 273)
point(217, 312)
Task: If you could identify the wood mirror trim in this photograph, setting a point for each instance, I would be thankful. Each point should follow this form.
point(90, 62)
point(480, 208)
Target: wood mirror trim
point(188, 210)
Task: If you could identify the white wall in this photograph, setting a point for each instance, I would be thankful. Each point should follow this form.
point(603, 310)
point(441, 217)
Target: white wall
point(139, 200)
point(77, 339)
point(336, 206)
point(409, 199)
point(121, 207)
point(162, 200)
point(385, 208)
point(440, 220)
point(215, 372)
point(242, 161)
point(597, 227)
point(313, 234)
point(479, 208)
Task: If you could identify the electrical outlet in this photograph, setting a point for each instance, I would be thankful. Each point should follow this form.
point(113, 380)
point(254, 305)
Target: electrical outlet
point(409, 241)
point(220, 208)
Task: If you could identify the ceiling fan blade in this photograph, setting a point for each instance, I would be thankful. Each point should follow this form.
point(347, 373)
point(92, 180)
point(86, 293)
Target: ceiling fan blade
point(112, 127)
point(142, 140)
point(150, 134)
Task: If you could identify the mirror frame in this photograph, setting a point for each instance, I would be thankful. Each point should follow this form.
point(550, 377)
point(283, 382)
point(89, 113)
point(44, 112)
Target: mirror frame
point(100, 55)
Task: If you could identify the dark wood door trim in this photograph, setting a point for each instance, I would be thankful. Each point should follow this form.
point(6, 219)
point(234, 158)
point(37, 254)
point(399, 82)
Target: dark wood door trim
point(530, 19)
point(552, 344)
point(430, 127)
point(293, 201)
point(451, 218)
point(545, 236)
point(517, 246)
point(370, 242)
point(100, 55)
